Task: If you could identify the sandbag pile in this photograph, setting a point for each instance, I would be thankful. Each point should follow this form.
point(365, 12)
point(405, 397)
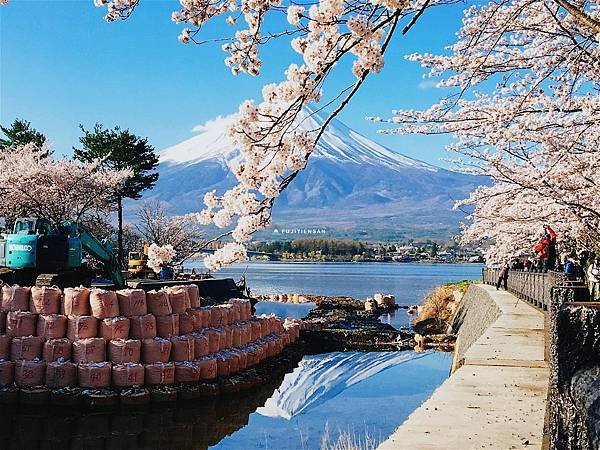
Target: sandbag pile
point(93, 338)
point(385, 300)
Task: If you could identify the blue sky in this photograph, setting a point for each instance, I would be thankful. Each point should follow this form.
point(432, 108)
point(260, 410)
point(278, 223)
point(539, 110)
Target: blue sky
point(62, 65)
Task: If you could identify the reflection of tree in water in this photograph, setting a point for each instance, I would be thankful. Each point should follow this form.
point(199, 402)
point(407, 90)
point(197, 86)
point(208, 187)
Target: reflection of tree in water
point(195, 426)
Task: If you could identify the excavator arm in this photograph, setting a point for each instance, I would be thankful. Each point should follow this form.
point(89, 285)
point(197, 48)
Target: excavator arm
point(102, 251)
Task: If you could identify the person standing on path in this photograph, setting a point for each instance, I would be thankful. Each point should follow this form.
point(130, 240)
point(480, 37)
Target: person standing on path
point(546, 249)
point(593, 274)
point(503, 277)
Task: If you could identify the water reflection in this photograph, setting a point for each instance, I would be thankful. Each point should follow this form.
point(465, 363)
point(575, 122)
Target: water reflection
point(372, 400)
point(335, 392)
point(181, 426)
point(319, 378)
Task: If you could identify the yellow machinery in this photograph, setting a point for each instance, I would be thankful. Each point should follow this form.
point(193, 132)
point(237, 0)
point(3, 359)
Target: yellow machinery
point(138, 264)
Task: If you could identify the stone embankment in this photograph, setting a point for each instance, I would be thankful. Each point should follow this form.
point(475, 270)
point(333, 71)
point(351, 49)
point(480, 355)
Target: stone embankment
point(574, 372)
point(496, 395)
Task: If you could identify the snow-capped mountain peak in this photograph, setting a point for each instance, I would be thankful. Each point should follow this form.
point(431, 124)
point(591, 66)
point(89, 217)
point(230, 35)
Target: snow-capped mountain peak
point(211, 142)
point(352, 186)
point(338, 143)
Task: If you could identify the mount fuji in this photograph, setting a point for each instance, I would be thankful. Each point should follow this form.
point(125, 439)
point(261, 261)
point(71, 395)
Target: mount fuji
point(352, 186)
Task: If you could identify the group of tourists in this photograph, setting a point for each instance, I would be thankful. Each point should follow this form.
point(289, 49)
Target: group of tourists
point(547, 259)
point(545, 251)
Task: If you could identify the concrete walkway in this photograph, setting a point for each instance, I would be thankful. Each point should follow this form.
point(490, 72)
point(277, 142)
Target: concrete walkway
point(497, 399)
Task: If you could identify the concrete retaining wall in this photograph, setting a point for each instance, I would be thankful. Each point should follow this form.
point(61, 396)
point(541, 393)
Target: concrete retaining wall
point(477, 311)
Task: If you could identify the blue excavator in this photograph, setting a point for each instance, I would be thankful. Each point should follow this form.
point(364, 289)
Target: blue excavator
point(40, 252)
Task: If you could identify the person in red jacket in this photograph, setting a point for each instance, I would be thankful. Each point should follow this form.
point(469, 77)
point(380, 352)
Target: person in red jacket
point(546, 248)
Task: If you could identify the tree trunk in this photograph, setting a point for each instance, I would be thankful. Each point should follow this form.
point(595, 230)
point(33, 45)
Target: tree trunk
point(120, 230)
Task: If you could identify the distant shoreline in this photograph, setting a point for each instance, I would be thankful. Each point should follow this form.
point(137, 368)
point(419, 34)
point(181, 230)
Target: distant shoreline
point(368, 261)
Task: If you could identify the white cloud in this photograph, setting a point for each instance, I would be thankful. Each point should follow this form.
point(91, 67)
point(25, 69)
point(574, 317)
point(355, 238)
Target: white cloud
point(427, 84)
point(218, 121)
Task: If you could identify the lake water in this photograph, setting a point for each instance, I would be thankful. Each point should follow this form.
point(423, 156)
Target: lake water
point(407, 281)
point(366, 395)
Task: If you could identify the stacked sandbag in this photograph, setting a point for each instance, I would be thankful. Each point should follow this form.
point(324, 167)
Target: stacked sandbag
point(186, 323)
point(104, 303)
point(194, 295)
point(76, 301)
point(201, 347)
point(197, 316)
point(167, 326)
point(215, 317)
point(15, 298)
point(159, 373)
point(55, 349)
point(123, 351)
point(245, 308)
point(114, 328)
point(51, 326)
point(158, 303)
point(255, 329)
point(142, 327)
point(81, 327)
point(20, 323)
point(236, 335)
point(223, 362)
point(182, 348)
point(132, 302)
point(94, 375)
point(30, 373)
point(226, 340)
point(205, 315)
point(214, 339)
point(208, 368)
point(45, 300)
point(178, 299)
point(187, 372)
point(61, 374)
point(97, 338)
point(26, 348)
point(89, 350)
point(126, 375)
point(156, 350)
point(227, 314)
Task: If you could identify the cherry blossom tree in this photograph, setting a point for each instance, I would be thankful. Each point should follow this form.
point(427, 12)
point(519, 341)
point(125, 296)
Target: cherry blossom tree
point(524, 108)
point(34, 184)
point(158, 256)
point(524, 72)
point(180, 234)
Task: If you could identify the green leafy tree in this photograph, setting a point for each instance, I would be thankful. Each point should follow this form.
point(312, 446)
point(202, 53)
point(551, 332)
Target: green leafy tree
point(121, 149)
point(21, 133)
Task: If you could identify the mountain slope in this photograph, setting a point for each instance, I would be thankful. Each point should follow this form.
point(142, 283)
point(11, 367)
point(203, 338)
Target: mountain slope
point(352, 186)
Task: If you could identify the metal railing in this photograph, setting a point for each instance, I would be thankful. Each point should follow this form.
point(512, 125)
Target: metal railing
point(533, 287)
